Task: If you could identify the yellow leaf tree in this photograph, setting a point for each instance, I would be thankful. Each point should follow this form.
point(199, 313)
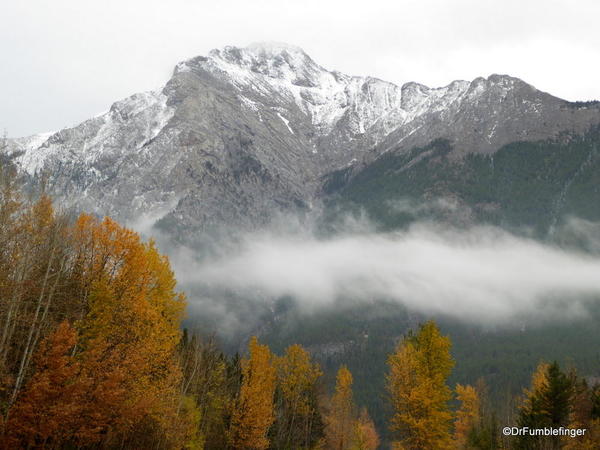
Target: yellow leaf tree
point(339, 422)
point(468, 414)
point(253, 415)
point(416, 383)
point(365, 436)
point(297, 376)
point(130, 332)
point(109, 375)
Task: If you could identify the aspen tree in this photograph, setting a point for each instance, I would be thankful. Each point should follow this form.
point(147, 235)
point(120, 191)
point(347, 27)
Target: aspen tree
point(50, 410)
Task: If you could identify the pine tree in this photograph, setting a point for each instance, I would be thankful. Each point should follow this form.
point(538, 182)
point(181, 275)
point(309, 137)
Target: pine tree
point(546, 404)
point(416, 382)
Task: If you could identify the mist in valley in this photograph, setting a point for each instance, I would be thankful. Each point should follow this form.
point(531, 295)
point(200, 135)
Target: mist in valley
point(477, 274)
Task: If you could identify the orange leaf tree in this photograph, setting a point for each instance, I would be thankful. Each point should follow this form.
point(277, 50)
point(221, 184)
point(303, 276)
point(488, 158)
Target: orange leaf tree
point(123, 362)
point(253, 415)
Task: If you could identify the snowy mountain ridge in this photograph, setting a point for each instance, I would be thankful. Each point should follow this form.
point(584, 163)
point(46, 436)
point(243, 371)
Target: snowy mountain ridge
point(267, 73)
point(143, 115)
point(279, 70)
point(243, 132)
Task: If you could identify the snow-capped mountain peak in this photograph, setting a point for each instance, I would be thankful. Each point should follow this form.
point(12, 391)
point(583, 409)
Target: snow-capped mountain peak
point(270, 59)
point(266, 72)
point(127, 127)
point(242, 132)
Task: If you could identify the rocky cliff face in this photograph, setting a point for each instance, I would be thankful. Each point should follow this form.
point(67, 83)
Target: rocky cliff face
point(244, 132)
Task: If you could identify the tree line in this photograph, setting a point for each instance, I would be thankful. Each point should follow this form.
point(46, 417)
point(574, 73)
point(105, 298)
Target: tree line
point(92, 355)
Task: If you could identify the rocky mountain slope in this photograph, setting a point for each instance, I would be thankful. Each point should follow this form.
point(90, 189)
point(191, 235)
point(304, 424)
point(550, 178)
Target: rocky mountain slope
point(244, 132)
point(238, 135)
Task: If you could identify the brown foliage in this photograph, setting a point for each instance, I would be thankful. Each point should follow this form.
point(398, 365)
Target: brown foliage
point(49, 411)
point(108, 373)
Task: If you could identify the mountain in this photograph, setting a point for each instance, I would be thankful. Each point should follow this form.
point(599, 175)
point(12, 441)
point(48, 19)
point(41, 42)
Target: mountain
point(243, 133)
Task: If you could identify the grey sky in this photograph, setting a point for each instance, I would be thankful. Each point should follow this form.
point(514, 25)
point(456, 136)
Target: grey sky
point(66, 60)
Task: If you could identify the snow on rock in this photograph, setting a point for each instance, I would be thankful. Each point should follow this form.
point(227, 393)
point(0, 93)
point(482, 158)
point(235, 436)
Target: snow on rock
point(273, 71)
point(267, 75)
point(130, 123)
point(287, 122)
point(209, 149)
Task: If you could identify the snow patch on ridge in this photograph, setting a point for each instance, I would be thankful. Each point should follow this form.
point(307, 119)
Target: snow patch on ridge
point(136, 120)
point(286, 122)
point(274, 72)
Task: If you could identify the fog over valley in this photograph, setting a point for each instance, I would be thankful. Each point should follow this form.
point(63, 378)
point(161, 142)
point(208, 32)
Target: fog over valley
point(479, 274)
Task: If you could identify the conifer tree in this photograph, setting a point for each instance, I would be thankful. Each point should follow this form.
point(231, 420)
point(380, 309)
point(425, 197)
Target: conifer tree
point(253, 414)
point(339, 422)
point(416, 383)
point(365, 435)
point(546, 404)
point(468, 414)
point(299, 422)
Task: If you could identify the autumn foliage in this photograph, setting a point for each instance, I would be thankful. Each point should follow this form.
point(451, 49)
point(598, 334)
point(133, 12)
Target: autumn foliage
point(468, 414)
point(89, 332)
point(418, 391)
point(297, 411)
point(254, 414)
point(51, 406)
point(92, 356)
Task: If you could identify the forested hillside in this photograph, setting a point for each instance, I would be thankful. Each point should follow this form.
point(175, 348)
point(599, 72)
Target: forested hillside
point(522, 185)
point(93, 356)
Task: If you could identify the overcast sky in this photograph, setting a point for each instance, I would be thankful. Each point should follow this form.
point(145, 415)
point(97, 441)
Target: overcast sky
point(66, 60)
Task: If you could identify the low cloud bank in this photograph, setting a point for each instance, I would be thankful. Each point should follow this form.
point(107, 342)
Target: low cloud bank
point(481, 274)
